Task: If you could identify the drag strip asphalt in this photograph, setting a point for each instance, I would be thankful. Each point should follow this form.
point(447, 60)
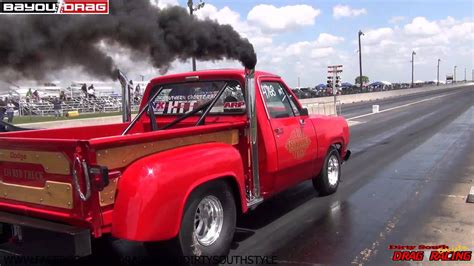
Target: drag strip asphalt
point(394, 190)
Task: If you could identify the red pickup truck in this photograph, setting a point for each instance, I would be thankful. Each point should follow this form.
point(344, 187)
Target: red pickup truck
point(205, 147)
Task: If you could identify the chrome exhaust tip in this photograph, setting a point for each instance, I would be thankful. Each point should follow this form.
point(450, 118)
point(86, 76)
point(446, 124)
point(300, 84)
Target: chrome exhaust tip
point(254, 194)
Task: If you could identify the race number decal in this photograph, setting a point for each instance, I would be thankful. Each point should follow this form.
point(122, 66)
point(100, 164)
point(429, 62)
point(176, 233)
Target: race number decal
point(268, 91)
point(174, 107)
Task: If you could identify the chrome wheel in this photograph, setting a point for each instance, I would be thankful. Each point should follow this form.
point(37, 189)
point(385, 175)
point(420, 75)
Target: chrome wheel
point(333, 170)
point(208, 220)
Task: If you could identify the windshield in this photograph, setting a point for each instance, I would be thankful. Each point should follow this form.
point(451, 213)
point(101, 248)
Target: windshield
point(181, 98)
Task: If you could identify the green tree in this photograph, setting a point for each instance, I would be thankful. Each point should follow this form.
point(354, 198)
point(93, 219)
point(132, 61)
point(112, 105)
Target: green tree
point(365, 79)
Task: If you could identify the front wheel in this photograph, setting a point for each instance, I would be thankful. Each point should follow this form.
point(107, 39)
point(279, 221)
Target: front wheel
point(327, 181)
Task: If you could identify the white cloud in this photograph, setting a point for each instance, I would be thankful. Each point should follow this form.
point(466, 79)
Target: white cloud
point(377, 35)
point(387, 51)
point(227, 16)
point(322, 46)
point(164, 3)
point(462, 31)
point(340, 11)
point(421, 26)
point(449, 21)
point(279, 19)
point(396, 19)
point(223, 16)
point(322, 52)
point(327, 40)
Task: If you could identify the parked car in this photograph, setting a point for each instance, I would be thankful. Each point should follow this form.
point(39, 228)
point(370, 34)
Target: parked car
point(309, 93)
point(300, 93)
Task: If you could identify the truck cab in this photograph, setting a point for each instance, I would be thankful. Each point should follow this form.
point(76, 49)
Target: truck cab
point(204, 147)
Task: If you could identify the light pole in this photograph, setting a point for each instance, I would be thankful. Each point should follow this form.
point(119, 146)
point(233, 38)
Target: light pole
point(454, 76)
point(360, 61)
point(437, 84)
point(193, 8)
point(413, 69)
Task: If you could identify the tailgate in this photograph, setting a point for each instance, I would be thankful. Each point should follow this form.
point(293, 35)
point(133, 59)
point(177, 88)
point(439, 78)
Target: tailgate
point(36, 179)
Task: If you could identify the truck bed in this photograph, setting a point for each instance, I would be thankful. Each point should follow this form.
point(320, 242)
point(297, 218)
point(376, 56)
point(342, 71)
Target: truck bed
point(36, 167)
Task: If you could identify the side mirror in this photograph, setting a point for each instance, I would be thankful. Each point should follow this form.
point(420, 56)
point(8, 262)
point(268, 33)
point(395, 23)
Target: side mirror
point(304, 112)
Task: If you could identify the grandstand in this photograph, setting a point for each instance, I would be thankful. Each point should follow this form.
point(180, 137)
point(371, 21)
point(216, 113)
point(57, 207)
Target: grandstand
point(107, 98)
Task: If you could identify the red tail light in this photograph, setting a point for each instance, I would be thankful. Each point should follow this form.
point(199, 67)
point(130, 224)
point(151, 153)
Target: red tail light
point(99, 176)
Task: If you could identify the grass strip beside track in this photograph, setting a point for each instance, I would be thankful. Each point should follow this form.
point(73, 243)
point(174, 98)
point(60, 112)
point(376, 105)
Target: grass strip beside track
point(36, 119)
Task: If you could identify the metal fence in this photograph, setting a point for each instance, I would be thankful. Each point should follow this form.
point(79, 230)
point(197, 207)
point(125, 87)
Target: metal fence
point(45, 107)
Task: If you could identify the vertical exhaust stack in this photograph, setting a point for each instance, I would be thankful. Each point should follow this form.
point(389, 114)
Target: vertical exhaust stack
point(254, 195)
point(126, 104)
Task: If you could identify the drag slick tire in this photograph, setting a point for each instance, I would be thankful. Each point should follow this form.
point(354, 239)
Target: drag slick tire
point(327, 181)
point(207, 226)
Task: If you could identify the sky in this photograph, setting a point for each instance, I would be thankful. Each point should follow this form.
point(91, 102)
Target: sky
point(301, 38)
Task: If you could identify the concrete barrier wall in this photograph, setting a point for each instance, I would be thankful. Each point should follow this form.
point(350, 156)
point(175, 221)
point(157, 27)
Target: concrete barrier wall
point(325, 105)
point(369, 96)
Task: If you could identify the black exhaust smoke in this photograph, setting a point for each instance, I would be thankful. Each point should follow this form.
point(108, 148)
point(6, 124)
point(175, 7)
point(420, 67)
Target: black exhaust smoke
point(33, 45)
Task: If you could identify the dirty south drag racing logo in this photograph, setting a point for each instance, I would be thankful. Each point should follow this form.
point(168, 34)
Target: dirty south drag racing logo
point(54, 7)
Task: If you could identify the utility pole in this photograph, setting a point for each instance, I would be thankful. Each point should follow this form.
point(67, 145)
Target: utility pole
point(465, 79)
point(454, 76)
point(360, 61)
point(193, 8)
point(437, 84)
point(299, 86)
point(413, 69)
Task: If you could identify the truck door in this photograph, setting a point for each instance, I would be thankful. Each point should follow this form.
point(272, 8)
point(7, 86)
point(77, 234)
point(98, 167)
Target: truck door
point(295, 138)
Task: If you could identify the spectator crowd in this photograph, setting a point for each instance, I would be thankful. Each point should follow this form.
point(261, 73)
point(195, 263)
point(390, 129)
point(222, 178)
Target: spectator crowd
point(7, 109)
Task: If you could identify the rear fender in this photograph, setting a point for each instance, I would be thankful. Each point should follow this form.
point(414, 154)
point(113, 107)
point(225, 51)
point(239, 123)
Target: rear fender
point(152, 192)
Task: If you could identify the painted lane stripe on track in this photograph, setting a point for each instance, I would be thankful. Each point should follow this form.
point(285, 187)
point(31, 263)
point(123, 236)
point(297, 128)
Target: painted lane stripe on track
point(397, 107)
point(353, 123)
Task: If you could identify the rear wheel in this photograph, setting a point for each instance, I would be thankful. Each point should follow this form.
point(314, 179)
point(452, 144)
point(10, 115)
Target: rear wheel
point(327, 181)
point(208, 223)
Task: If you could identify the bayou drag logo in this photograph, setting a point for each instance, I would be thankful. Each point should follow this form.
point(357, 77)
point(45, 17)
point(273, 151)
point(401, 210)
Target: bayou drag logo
point(54, 7)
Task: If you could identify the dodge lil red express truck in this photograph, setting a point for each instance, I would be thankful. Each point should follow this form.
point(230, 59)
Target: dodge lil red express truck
point(205, 147)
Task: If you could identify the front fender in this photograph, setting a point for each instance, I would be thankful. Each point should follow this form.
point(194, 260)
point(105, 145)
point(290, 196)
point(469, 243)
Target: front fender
point(152, 192)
